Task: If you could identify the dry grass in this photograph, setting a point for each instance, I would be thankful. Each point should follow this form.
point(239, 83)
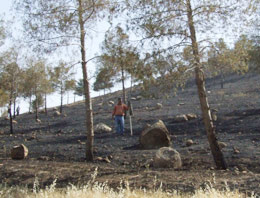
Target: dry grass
point(103, 191)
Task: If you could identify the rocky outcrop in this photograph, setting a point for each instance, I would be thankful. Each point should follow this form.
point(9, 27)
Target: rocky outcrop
point(167, 157)
point(155, 136)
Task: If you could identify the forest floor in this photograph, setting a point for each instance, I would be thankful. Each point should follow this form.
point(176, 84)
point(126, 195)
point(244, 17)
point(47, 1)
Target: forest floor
point(57, 144)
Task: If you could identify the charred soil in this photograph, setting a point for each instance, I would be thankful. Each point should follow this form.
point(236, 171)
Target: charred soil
point(57, 144)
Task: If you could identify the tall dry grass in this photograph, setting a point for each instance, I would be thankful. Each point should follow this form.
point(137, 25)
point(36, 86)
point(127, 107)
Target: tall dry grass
point(101, 190)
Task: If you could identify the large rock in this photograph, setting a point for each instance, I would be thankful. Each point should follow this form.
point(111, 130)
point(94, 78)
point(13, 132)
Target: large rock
point(101, 127)
point(155, 136)
point(167, 157)
point(19, 152)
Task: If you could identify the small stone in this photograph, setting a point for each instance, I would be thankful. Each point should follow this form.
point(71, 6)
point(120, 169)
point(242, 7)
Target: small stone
point(107, 160)
point(189, 142)
point(159, 106)
point(191, 116)
point(139, 97)
point(222, 145)
point(56, 113)
point(99, 158)
point(111, 102)
point(38, 120)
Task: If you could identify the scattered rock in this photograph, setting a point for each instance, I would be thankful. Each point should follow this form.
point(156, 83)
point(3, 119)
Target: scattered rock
point(167, 157)
point(101, 159)
point(107, 160)
point(191, 116)
point(214, 114)
point(33, 137)
point(139, 97)
point(79, 141)
point(100, 104)
point(43, 158)
point(180, 118)
point(180, 104)
point(19, 152)
point(222, 145)
point(159, 106)
point(133, 98)
point(14, 122)
point(2, 132)
point(146, 108)
point(55, 109)
point(189, 142)
point(156, 136)
point(38, 120)
point(101, 127)
point(236, 150)
point(7, 118)
point(111, 102)
point(56, 113)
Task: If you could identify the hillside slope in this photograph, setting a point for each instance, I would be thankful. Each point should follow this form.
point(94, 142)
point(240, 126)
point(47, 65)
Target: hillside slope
point(57, 144)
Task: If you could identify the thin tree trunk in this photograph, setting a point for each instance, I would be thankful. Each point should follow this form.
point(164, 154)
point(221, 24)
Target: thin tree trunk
point(14, 108)
point(123, 84)
point(61, 99)
point(11, 117)
point(36, 107)
point(200, 81)
point(222, 79)
point(45, 103)
point(88, 103)
point(30, 103)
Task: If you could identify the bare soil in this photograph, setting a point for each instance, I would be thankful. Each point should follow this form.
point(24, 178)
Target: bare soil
point(57, 144)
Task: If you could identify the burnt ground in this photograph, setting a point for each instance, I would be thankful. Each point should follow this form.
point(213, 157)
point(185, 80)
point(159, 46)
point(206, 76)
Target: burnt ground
point(57, 144)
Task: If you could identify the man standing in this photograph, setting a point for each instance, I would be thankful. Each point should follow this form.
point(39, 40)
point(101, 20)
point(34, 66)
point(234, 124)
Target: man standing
point(118, 115)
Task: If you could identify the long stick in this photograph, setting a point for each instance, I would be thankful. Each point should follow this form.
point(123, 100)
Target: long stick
point(131, 127)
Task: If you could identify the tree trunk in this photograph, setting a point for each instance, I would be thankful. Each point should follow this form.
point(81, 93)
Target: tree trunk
point(123, 84)
point(30, 103)
point(88, 103)
point(200, 81)
point(14, 114)
point(45, 103)
point(222, 79)
point(36, 107)
point(11, 117)
point(61, 99)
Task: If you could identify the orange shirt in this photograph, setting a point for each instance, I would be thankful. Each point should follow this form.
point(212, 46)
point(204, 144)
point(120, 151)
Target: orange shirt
point(120, 110)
